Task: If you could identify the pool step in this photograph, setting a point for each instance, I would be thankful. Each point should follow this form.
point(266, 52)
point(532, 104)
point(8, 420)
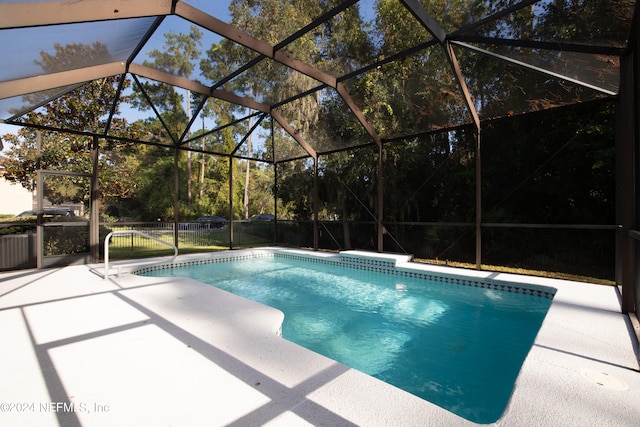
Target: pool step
point(374, 259)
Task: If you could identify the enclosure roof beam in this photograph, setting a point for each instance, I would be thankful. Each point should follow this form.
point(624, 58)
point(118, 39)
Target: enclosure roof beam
point(238, 36)
point(419, 12)
point(356, 111)
point(239, 100)
point(248, 134)
point(115, 103)
point(316, 22)
point(171, 79)
point(224, 126)
point(27, 85)
point(451, 56)
point(294, 134)
point(32, 14)
point(155, 110)
point(168, 78)
point(226, 30)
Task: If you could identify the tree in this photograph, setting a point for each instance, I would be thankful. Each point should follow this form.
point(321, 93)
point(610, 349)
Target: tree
point(176, 57)
point(84, 108)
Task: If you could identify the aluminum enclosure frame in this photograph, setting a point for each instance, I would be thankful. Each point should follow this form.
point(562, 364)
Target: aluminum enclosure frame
point(36, 14)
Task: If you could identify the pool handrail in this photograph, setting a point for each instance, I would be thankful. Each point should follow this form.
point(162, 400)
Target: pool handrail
point(140, 233)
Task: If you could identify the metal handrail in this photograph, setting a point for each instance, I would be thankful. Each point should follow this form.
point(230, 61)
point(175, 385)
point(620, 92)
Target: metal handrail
point(140, 233)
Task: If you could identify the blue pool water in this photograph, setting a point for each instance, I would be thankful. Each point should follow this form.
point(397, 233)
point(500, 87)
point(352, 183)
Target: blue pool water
point(459, 347)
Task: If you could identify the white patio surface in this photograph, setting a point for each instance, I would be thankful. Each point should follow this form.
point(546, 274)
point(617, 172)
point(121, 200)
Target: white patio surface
point(78, 350)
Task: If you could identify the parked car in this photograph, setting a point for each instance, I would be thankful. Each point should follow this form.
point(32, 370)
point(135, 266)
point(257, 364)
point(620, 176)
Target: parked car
point(49, 213)
point(212, 221)
point(263, 217)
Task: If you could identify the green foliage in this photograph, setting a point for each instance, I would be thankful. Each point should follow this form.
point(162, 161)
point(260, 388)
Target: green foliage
point(58, 239)
point(295, 187)
point(563, 173)
point(84, 108)
point(17, 225)
point(66, 240)
point(431, 178)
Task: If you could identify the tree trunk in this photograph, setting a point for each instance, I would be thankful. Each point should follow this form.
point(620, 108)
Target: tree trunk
point(246, 181)
point(202, 163)
point(201, 191)
point(188, 151)
point(246, 177)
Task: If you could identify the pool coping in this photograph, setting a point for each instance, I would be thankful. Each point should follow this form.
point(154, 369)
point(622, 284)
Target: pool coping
point(265, 380)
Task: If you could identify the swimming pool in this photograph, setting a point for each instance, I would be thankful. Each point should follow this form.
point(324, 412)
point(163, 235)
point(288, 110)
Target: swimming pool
point(456, 342)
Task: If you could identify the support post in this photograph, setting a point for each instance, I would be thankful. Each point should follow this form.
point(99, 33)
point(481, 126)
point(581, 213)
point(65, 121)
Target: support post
point(380, 213)
point(39, 221)
point(230, 202)
point(455, 65)
point(275, 202)
point(316, 204)
point(176, 200)
point(478, 200)
point(94, 220)
point(626, 192)
point(275, 187)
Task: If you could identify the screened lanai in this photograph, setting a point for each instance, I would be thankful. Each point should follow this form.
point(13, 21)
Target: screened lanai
point(288, 83)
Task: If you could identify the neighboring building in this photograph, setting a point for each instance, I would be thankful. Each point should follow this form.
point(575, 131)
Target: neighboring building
point(14, 198)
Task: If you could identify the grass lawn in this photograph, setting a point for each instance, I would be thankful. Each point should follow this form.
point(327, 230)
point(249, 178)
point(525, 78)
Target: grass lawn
point(124, 249)
point(515, 270)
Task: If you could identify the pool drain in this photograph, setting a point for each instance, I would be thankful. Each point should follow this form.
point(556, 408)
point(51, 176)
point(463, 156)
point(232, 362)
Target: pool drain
point(603, 379)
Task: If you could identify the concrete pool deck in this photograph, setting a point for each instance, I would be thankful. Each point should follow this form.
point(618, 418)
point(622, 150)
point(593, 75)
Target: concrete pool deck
point(152, 351)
